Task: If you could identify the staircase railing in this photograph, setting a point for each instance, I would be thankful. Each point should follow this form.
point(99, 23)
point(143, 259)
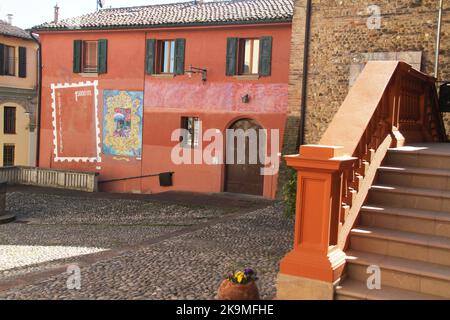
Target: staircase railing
point(390, 104)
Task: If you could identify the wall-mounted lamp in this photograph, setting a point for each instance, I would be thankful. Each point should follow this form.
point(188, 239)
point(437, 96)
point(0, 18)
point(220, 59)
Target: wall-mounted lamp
point(246, 99)
point(193, 70)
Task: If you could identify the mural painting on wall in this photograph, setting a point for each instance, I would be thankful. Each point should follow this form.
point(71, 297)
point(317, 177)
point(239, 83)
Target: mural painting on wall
point(122, 123)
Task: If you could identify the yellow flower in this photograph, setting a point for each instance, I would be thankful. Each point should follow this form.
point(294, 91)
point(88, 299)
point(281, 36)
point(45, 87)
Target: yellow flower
point(240, 276)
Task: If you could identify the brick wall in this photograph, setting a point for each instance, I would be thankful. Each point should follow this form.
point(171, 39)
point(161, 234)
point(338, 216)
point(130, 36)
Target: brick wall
point(339, 34)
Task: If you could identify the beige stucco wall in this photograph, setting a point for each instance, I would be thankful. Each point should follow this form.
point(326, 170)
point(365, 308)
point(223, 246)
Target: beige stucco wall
point(24, 140)
point(30, 82)
point(21, 139)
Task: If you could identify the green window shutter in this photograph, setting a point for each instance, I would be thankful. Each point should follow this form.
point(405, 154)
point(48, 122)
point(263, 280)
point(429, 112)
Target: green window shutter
point(150, 56)
point(102, 56)
point(2, 59)
point(265, 58)
point(180, 46)
point(22, 62)
point(77, 54)
point(232, 44)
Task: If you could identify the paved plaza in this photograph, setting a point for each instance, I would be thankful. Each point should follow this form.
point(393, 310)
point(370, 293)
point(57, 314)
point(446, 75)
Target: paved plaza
point(174, 246)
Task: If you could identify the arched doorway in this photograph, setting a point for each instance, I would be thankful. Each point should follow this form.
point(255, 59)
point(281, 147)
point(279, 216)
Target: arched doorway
point(243, 173)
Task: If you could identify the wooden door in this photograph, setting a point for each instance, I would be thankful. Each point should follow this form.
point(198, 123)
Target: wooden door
point(244, 177)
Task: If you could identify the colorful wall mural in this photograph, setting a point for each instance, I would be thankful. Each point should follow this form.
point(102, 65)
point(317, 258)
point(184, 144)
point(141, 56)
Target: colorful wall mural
point(122, 123)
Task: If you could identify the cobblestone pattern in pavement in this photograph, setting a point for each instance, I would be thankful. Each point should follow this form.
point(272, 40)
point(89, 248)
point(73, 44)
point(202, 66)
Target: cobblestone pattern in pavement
point(59, 226)
point(190, 266)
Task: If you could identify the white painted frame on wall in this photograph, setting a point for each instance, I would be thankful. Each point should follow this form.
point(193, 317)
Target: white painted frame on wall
point(55, 87)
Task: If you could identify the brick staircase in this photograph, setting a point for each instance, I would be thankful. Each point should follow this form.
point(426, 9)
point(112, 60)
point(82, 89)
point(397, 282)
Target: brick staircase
point(404, 228)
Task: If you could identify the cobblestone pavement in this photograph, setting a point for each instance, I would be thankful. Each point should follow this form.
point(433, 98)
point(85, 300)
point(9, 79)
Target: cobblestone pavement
point(188, 266)
point(53, 224)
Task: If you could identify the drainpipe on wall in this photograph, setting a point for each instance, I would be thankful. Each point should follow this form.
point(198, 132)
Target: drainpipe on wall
point(38, 127)
point(301, 134)
point(438, 39)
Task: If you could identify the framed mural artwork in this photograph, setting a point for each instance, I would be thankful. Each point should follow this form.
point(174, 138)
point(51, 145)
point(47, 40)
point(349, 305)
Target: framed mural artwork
point(75, 118)
point(122, 123)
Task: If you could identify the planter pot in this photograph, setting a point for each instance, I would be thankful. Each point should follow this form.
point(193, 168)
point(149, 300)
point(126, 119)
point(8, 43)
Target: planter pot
point(234, 291)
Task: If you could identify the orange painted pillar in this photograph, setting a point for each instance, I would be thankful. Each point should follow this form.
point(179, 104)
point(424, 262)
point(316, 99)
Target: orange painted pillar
point(315, 254)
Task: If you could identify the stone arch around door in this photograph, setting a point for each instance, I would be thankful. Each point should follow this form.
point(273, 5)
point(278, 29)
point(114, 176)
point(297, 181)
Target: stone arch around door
point(243, 177)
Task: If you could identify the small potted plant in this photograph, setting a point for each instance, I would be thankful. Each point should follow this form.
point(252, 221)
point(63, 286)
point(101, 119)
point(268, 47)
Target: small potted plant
point(240, 285)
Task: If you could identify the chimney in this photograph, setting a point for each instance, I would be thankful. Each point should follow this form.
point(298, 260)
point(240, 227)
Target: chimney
point(56, 19)
point(10, 18)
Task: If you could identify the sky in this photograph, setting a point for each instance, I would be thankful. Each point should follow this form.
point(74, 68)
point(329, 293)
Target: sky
point(29, 13)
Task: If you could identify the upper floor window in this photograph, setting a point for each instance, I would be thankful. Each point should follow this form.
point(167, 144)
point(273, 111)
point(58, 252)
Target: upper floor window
point(9, 123)
point(10, 61)
point(90, 56)
point(249, 56)
point(165, 56)
point(7, 60)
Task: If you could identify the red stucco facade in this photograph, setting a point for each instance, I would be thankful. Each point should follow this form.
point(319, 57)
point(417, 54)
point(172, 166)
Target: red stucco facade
point(217, 102)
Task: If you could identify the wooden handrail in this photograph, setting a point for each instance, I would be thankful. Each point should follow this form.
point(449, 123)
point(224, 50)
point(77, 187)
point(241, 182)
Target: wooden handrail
point(389, 105)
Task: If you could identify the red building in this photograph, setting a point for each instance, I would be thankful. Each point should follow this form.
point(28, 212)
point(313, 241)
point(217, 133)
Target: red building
point(117, 83)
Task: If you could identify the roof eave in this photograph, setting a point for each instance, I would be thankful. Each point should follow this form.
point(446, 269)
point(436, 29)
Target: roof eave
point(154, 26)
point(16, 36)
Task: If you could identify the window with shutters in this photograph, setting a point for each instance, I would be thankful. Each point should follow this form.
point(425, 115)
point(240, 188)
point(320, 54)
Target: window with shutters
point(9, 61)
point(8, 155)
point(9, 116)
point(191, 126)
point(248, 58)
point(90, 56)
point(166, 56)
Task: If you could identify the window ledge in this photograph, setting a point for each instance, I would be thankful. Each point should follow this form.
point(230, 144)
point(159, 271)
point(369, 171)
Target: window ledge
point(88, 75)
point(164, 75)
point(247, 77)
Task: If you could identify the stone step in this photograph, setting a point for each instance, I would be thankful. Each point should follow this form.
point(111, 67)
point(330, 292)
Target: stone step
point(414, 198)
point(401, 244)
point(410, 220)
point(401, 273)
point(436, 156)
point(351, 289)
point(7, 218)
point(414, 177)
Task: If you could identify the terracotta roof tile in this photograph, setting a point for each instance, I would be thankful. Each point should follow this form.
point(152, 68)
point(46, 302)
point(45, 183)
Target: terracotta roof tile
point(185, 13)
point(11, 31)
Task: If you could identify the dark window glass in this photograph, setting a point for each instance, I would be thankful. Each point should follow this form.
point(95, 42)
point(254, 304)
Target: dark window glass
point(8, 155)
point(9, 125)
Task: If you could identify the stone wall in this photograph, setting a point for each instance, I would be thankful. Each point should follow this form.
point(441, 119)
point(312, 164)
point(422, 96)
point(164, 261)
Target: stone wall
point(339, 35)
